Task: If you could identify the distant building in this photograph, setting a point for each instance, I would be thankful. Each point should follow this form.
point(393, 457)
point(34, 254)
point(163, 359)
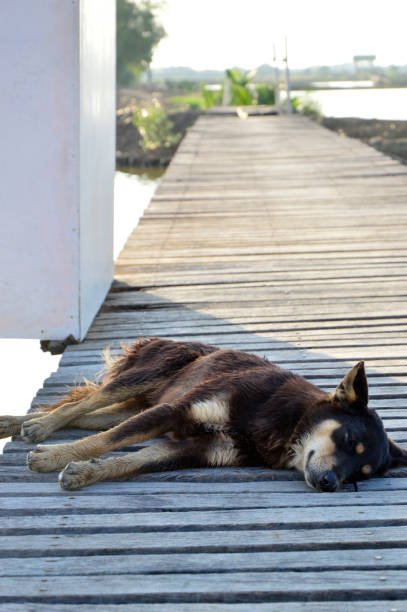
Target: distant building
point(362, 62)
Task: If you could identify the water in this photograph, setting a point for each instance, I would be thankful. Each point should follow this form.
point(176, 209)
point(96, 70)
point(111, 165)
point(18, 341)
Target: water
point(23, 365)
point(363, 103)
point(133, 190)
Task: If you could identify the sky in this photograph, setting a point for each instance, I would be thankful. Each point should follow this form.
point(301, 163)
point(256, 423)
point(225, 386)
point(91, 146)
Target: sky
point(219, 34)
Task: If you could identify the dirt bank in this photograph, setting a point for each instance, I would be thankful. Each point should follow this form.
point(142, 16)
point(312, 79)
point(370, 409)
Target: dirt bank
point(128, 149)
point(390, 137)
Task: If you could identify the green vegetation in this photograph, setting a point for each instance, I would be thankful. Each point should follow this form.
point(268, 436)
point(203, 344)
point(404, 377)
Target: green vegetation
point(138, 33)
point(200, 100)
point(194, 101)
point(301, 79)
point(306, 106)
point(241, 94)
point(266, 94)
point(155, 129)
point(146, 174)
point(211, 97)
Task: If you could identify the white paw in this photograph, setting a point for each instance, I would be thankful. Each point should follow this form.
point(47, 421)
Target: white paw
point(35, 430)
point(48, 458)
point(78, 474)
point(9, 425)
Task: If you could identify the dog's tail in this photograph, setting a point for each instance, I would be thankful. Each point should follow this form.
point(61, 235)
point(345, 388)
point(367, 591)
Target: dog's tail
point(113, 367)
point(75, 394)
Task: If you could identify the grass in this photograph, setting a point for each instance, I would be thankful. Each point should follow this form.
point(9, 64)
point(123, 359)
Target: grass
point(194, 101)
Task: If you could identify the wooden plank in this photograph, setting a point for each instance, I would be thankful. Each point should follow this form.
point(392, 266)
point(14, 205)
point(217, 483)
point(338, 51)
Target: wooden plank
point(10, 473)
point(130, 518)
point(384, 605)
point(369, 502)
point(238, 587)
point(142, 487)
point(322, 560)
point(203, 541)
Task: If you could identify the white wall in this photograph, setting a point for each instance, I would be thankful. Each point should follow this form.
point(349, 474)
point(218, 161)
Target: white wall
point(97, 153)
point(56, 164)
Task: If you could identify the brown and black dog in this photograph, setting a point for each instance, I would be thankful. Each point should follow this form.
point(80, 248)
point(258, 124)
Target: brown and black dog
point(219, 408)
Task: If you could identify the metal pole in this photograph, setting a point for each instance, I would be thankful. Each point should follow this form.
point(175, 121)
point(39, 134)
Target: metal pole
point(276, 81)
point(287, 81)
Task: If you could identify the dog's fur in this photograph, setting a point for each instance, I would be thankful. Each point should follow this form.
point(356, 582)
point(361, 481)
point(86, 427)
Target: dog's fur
point(219, 408)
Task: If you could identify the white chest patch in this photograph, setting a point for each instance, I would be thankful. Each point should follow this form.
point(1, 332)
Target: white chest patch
point(214, 410)
point(222, 452)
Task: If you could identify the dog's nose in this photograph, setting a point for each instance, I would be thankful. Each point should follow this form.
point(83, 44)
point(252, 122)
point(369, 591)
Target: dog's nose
point(328, 481)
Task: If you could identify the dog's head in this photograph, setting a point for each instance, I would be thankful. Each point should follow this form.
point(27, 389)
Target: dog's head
point(346, 441)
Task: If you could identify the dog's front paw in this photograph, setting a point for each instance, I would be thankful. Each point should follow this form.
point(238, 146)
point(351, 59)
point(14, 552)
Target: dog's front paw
point(48, 457)
point(78, 474)
point(35, 430)
point(9, 425)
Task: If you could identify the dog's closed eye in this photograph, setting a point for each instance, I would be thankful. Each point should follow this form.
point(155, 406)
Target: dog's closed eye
point(349, 441)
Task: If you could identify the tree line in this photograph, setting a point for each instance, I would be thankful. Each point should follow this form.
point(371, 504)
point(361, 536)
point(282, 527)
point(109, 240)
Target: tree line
point(138, 33)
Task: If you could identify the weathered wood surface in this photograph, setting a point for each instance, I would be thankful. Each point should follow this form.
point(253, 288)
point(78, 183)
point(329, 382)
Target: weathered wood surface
point(384, 605)
point(230, 588)
point(269, 234)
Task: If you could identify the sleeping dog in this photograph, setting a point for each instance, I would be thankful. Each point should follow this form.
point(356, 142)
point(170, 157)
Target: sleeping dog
point(218, 408)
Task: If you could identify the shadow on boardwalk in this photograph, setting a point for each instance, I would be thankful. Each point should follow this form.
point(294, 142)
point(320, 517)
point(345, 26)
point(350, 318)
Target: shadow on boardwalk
point(271, 235)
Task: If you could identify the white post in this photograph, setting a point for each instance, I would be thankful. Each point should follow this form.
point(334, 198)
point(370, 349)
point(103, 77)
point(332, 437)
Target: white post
point(57, 158)
point(287, 81)
point(226, 92)
point(276, 81)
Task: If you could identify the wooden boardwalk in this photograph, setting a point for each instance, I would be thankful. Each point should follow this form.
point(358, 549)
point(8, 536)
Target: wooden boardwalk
point(277, 236)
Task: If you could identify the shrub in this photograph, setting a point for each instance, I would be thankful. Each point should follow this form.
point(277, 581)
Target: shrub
point(240, 90)
point(265, 94)
point(155, 129)
point(307, 106)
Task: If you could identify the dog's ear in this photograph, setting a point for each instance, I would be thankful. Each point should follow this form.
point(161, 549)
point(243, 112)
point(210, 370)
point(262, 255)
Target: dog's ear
point(398, 456)
point(352, 392)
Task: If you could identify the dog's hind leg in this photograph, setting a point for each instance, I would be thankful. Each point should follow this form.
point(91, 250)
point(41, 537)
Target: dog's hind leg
point(140, 383)
point(106, 418)
point(101, 419)
point(10, 425)
point(39, 428)
point(160, 457)
point(149, 424)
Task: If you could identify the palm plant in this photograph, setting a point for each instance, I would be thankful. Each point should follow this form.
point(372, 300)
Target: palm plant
point(240, 91)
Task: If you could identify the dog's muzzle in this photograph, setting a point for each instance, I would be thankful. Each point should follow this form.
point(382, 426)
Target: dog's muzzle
point(327, 482)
